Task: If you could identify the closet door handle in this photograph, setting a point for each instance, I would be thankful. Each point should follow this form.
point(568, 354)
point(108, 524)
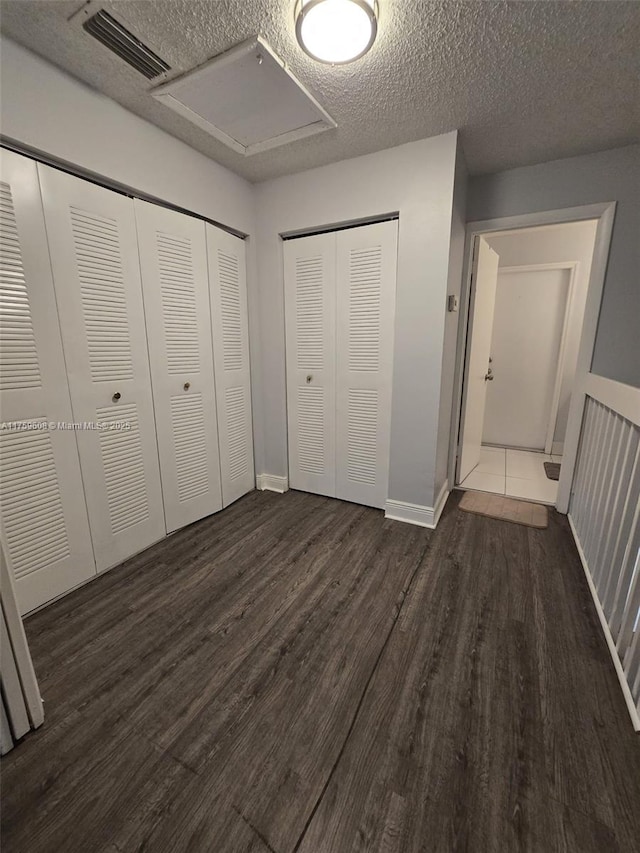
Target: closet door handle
point(309, 378)
point(116, 396)
point(186, 386)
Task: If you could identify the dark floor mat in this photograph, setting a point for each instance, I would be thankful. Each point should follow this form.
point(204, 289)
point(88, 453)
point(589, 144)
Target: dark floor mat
point(505, 509)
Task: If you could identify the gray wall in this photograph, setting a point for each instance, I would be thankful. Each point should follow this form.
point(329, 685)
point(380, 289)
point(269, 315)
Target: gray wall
point(49, 111)
point(606, 176)
point(451, 320)
point(417, 181)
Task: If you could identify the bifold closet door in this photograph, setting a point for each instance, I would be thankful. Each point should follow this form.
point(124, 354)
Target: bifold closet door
point(173, 260)
point(310, 293)
point(43, 514)
point(229, 318)
point(96, 272)
point(340, 306)
point(365, 310)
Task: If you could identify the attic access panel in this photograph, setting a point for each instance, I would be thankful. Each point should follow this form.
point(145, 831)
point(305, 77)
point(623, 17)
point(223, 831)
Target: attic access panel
point(247, 99)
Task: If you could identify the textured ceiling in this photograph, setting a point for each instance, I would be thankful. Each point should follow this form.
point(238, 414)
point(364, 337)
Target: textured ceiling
point(524, 81)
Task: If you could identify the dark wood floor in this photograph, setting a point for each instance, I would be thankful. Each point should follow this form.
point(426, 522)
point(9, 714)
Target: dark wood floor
point(299, 674)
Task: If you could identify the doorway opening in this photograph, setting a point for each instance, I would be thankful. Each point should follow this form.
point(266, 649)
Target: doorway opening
point(532, 300)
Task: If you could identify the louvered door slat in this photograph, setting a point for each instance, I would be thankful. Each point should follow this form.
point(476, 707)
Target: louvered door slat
point(19, 366)
point(173, 258)
point(177, 281)
point(309, 317)
point(43, 516)
point(187, 418)
point(311, 432)
point(229, 319)
point(310, 269)
point(103, 298)
point(96, 271)
point(238, 434)
point(366, 279)
point(35, 476)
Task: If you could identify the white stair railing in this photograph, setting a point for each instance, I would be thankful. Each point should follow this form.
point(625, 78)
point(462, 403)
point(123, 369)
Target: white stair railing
point(604, 513)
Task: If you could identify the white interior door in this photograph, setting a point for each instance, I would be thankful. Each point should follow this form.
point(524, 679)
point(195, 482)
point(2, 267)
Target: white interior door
point(527, 334)
point(43, 514)
point(483, 297)
point(365, 309)
point(309, 280)
point(230, 323)
point(96, 272)
point(175, 285)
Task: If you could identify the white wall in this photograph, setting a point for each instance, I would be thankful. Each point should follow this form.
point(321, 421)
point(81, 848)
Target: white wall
point(547, 245)
point(53, 113)
point(415, 180)
point(603, 177)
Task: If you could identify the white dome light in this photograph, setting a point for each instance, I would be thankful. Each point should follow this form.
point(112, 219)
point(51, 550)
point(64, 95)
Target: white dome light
point(336, 31)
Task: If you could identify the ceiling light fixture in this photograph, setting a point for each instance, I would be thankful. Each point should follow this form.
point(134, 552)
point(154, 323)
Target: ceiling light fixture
point(336, 31)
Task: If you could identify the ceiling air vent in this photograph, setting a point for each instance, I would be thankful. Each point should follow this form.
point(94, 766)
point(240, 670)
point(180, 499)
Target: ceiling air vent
point(118, 39)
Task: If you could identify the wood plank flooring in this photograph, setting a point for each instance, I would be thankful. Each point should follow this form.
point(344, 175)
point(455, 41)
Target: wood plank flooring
point(300, 675)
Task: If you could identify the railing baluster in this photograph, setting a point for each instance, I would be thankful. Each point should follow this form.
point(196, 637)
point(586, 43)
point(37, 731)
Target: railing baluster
point(615, 518)
point(605, 515)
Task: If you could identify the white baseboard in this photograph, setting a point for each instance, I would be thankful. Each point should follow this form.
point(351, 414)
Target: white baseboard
point(272, 483)
point(631, 705)
point(557, 448)
point(441, 501)
point(423, 516)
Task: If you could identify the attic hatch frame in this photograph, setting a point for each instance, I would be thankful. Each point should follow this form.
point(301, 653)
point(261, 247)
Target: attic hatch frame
point(167, 93)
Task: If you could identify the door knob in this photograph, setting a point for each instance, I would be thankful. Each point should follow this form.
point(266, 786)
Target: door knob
point(116, 396)
point(186, 386)
point(309, 378)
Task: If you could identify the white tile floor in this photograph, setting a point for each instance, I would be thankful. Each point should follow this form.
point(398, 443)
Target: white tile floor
point(515, 473)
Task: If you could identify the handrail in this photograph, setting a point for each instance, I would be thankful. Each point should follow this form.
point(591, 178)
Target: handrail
point(621, 398)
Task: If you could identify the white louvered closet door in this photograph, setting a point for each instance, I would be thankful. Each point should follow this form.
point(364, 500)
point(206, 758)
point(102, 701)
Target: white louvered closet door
point(96, 272)
point(309, 277)
point(230, 323)
point(366, 286)
point(43, 514)
point(173, 260)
